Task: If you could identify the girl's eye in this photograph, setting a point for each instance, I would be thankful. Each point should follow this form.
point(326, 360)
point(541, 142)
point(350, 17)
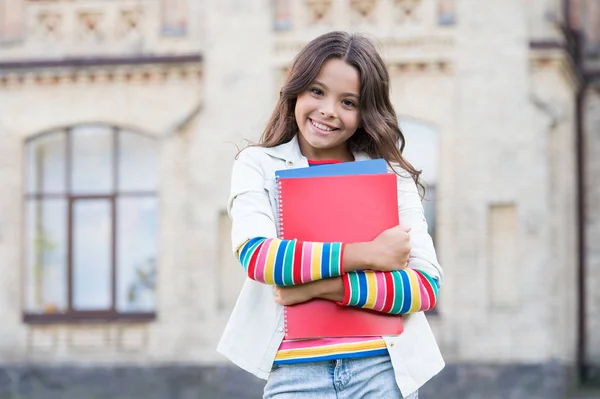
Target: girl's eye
point(316, 91)
point(348, 103)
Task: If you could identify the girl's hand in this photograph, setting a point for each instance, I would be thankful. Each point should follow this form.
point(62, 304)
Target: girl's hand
point(294, 294)
point(391, 249)
point(331, 289)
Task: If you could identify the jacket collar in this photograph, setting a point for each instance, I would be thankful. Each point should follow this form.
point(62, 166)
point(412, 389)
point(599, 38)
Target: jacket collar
point(290, 152)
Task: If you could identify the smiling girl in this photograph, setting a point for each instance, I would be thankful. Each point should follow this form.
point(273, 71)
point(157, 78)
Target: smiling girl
point(334, 107)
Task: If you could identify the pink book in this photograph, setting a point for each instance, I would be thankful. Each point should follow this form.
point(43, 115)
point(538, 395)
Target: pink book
point(348, 209)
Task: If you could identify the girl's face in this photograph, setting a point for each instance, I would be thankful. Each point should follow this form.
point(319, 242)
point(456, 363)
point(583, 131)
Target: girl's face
point(328, 112)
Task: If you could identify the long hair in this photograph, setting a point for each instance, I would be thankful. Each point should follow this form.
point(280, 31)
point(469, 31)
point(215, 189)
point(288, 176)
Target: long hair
point(379, 134)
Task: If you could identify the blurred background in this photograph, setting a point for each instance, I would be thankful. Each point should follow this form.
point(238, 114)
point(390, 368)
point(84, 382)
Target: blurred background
point(119, 123)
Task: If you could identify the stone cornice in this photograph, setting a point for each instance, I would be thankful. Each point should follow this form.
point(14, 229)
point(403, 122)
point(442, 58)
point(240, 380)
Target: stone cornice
point(84, 62)
point(142, 70)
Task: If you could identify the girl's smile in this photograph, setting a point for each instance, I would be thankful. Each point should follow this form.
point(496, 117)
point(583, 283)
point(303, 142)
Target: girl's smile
point(322, 128)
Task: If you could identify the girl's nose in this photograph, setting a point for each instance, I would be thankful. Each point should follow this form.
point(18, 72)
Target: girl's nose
point(327, 112)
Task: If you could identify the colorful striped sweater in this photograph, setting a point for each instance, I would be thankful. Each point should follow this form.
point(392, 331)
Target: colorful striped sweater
point(290, 262)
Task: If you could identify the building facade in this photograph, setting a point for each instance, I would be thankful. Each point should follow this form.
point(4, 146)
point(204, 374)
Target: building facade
point(119, 123)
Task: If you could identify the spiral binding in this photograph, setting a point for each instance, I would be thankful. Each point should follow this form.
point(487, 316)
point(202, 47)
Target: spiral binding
point(282, 236)
point(285, 321)
point(280, 206)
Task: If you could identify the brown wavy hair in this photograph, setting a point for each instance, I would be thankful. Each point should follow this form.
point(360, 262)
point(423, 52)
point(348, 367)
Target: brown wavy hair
point(379, 133)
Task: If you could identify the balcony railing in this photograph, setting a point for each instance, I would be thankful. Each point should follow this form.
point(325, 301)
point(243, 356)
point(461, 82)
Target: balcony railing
point(409, 26)
point(97, 28)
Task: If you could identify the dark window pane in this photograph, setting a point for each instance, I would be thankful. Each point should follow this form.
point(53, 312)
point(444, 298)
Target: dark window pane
point(137, 162)
point(46, 255)
point(422, 148)
point(46, 163)
point(92, 165)
point(422, 151)
point(282, 16)
point(429, 209)
point(136, 254)
point(92, 263)
point(446, 14)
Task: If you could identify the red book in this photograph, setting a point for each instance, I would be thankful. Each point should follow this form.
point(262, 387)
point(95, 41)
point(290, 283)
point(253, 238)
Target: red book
point(348, 209)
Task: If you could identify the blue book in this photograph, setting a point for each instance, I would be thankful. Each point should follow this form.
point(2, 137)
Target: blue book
point(368, 167)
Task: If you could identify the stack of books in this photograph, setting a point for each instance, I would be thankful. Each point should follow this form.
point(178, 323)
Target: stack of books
point(347, 202)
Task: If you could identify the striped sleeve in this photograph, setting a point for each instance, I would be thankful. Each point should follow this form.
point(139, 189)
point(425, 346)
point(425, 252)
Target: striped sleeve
point(396, 292)
point(290, 262)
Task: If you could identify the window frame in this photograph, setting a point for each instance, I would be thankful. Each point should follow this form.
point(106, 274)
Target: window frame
point(70, 314)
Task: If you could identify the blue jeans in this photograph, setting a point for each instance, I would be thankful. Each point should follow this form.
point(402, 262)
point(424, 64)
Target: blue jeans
point(370, 377)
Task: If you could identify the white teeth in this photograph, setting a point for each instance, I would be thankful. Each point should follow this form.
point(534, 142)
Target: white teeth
point(320, 126)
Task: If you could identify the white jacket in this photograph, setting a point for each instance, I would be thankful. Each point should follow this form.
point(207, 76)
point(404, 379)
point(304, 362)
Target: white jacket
point(255, 329)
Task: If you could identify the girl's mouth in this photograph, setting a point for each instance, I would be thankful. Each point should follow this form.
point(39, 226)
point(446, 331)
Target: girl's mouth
point(321, 128)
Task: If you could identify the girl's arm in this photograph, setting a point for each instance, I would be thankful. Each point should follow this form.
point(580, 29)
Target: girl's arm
point(290, 262)
point(396, 292)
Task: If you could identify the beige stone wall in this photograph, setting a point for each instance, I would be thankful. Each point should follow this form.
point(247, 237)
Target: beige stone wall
point(553, 96)
point(499, 162)
point(592, 227)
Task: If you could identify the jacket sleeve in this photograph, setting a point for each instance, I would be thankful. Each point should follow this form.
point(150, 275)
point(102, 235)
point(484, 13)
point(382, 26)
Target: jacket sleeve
point(264, 257)
point(422, 255)
point(249, 206)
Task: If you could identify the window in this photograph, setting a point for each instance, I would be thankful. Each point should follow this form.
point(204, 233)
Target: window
point(422, 151)
point(282, 18)
point(91, 224)
point(11, 20)
point(446, 12)
point(174, 17)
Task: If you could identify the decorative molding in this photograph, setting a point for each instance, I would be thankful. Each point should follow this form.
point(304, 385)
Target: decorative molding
point(49, 26)
point(428, 67)
point(89, 26)
point(130, 22)
point(363, 10)
point(138, 75)
point(319, 11)
point(407, 10)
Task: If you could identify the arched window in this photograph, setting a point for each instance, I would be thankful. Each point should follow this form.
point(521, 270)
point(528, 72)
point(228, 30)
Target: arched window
point(91, 224)
point(422, 151)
